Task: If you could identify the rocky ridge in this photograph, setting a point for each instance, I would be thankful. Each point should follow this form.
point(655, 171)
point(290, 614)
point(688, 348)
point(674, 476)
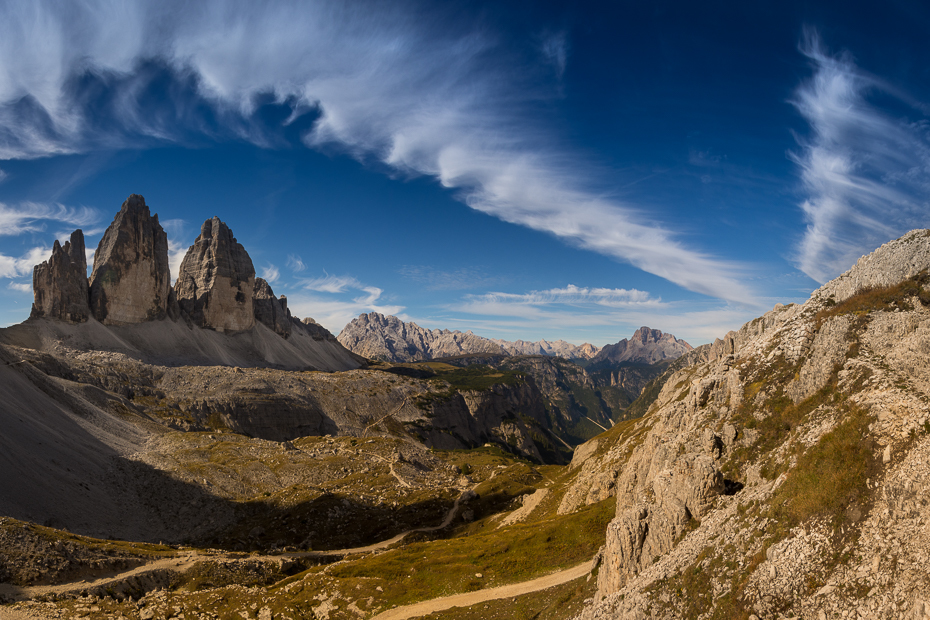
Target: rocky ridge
point(557, 348)
point(782, 470)
point(387, 338)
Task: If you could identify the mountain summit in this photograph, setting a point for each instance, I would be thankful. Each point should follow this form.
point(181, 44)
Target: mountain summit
point(646, 346)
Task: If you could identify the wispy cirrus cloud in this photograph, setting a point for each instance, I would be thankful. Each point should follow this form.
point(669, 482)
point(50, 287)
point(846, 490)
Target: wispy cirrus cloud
point(20, 287)
point(33, 216)
point(270, 273)
point(866, 171)
point(573, 295)
point(333, 301)
point(378, 80)
point(295, 263)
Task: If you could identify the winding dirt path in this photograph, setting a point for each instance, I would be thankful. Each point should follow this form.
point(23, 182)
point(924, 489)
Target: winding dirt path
point(473, 598)
point(184, 562)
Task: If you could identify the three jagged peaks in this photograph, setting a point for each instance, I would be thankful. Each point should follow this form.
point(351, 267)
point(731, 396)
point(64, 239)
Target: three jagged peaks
point(131, 281)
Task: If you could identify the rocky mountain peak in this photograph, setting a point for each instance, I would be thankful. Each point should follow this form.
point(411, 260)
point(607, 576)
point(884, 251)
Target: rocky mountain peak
point(217, 280)
point(60, 283)
point(131, 282)
point(646, 346)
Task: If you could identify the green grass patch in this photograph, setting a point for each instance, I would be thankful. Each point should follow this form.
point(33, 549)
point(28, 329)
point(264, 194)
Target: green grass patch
point(884, 298)
point(829, 479)
point(509, 555)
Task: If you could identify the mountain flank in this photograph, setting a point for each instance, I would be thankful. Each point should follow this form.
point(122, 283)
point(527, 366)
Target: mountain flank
point(782, 470)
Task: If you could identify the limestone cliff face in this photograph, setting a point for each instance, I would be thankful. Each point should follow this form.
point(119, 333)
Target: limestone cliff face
point(60, 283)
point(130, 282)
point(217, 280)
point(646, 346)
point(728, 490)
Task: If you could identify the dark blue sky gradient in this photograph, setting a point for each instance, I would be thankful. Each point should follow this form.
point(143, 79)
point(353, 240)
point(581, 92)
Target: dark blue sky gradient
point(679, 115)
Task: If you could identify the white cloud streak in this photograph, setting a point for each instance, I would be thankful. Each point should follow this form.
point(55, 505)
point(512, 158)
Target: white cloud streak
point(386, 86)
point(867, 173)
point(21, 287)
point(31, 216)
point(11, 267)
point(270, 273)
point(343, 298)
point(295, 263)
point(584, 315)
point(175, 229)
point(571, 294)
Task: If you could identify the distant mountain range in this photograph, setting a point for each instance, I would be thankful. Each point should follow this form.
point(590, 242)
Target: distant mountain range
point(387, 338)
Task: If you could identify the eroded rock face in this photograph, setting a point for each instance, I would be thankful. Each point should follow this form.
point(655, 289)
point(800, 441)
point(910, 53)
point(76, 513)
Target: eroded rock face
point(270, 310)
point(131, 281)
point(217, 280)
point(60, 283)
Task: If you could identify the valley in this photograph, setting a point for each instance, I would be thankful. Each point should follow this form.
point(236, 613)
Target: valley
point(197, 452)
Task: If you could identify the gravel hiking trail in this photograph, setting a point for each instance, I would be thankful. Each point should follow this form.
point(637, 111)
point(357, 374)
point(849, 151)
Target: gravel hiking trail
point(473, 598)
point(185, 561)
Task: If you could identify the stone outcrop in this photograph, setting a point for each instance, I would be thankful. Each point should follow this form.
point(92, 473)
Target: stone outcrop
point(130, 282)
point(60, 283)
point(270, 310)
point(387, 338)
point(217, 280)
point(766, 404)
point(647, 346)
point(891, 263)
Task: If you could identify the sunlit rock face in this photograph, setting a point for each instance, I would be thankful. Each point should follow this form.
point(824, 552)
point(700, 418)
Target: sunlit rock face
point(60, 283)
point(216, 281)
point(130, 282)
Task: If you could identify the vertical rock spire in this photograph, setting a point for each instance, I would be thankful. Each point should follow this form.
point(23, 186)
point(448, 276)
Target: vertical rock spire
point(60, 283)
point(131, 281)
point(216, 281)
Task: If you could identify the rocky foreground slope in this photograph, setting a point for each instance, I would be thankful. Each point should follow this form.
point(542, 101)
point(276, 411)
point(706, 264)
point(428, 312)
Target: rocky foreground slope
point(782, 471)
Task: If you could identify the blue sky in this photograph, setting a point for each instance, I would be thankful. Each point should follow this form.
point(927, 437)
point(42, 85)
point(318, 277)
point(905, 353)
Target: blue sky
point(526, 170)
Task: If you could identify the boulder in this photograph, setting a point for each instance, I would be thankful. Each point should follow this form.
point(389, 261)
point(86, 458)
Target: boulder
point(60, 283)
point(217, 280)
point(130, 282)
